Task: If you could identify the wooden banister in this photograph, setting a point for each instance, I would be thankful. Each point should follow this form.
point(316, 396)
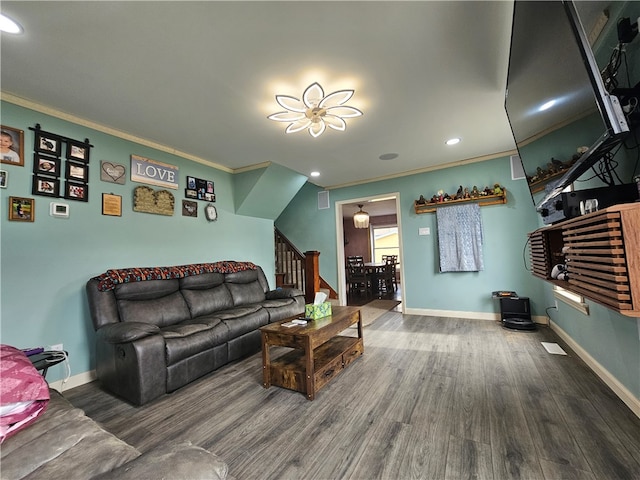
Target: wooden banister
point(297, 270)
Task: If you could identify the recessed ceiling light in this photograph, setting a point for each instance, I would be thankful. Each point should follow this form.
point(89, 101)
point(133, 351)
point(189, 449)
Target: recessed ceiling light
point(452, 141)
point(547, 105)
point(388, 156)
point(9, 26)
point(315, 174)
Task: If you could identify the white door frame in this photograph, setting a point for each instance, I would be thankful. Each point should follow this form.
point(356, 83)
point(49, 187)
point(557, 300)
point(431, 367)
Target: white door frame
point(342, 277)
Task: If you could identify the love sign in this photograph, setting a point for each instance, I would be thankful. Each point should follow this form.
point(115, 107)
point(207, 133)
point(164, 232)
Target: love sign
point(145, 170)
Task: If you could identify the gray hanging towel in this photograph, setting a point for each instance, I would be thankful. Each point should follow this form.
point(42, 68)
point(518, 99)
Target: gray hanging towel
point(460, 238)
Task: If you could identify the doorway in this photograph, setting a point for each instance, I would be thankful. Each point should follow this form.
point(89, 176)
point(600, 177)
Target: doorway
point(385, 220)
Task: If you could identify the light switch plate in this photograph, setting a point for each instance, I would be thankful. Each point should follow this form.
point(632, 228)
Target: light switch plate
point(424, 231)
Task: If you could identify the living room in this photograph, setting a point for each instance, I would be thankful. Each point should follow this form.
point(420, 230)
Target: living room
point(46, 263)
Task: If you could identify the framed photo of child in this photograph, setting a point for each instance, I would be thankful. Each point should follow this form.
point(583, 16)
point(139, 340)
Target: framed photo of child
point(12, 146)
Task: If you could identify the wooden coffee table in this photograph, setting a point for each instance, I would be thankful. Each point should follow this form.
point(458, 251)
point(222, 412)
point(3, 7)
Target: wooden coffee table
point(319, 352)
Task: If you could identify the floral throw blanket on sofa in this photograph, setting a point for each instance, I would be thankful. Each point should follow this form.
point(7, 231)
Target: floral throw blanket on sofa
point(109, 279)
point(24, 393)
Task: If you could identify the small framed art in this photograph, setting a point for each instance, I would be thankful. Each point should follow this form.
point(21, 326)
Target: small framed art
point(21, 209)
point(77, 151)
point(48, 144)
point(49, 187)
point(12, 146)
point(111, 205)
point(76, 191)
point(46, 165)
point(78, 172)
point(189, 208)
point(4, 178)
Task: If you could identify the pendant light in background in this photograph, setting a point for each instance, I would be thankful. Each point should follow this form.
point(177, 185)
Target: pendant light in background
point(361, 218)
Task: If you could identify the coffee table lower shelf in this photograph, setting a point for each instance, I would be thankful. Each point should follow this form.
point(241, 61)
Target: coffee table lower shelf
point(329, 359)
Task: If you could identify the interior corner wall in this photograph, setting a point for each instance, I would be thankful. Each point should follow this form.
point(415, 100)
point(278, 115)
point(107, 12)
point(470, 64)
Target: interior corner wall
point(46, 263)
point(505, 229)
point(610, 338)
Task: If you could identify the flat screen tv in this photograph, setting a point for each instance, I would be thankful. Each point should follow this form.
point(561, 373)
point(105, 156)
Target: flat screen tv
point(562, 118)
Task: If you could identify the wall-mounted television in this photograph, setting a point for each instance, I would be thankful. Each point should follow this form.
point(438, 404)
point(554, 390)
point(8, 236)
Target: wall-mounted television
point(562, 118)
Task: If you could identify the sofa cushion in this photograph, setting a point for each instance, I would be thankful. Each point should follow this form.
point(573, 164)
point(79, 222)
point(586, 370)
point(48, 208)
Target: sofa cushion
point(246, 293)
point(202, 282)
point(248, 322)
point(63, 443)
point(158, 311)
point(186, 460)
point(207, 301)
point(192, 337)
point(146, 290)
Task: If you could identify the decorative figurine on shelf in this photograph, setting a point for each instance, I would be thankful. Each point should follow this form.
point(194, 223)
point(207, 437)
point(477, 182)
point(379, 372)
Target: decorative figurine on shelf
point(459, 193)
point(421, 200)
point(434, 199)
point(474, 192)
point(497, 189)
point(440, 195)
point(466, 193)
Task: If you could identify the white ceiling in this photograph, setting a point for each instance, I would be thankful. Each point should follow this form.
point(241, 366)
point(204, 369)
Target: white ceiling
point(200, 77)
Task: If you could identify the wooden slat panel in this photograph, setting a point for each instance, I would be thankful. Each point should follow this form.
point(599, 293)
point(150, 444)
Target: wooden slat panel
point(601, 255)
point(587, 285)
point(617, 285)
point(602, 299)
point(576, 265)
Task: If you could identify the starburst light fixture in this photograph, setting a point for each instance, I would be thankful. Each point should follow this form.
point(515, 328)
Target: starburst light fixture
point(315, 111)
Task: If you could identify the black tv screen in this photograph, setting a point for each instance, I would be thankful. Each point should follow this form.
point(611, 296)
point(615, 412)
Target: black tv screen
point(562, 119)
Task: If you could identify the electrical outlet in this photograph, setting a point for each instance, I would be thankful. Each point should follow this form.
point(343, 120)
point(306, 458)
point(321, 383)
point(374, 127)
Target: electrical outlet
point(58, 347)
point(556, 304)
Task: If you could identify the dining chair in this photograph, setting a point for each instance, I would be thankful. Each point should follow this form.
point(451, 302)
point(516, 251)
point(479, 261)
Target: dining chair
point(358, 278)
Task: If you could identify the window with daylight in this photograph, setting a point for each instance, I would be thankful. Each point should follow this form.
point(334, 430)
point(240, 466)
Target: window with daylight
point(385, 242)
point(570, 298)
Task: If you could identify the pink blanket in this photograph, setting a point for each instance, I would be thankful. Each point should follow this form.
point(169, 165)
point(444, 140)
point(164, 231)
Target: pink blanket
point(24, 393)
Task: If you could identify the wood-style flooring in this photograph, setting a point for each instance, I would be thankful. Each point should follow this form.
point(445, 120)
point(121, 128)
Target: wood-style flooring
point(431, 398)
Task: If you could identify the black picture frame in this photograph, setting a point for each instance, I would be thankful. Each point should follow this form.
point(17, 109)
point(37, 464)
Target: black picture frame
point(45, 165)
point(78, 151)
point(48, 144)
point(78, 172)
point(45, 186)
point(190, 193)
point(76, 191)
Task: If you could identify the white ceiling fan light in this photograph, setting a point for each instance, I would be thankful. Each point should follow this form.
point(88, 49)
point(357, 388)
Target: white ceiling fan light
point(315, 112)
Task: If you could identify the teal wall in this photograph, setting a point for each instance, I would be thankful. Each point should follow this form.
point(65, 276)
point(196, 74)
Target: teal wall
point(610, 338)
point(45, 264)
point(505, 231)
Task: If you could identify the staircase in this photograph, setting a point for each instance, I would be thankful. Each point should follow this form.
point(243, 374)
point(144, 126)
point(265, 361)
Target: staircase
point(295, 269)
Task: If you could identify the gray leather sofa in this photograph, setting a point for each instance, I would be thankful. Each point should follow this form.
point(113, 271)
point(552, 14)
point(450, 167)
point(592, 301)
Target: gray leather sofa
point(154, 336)
point(65, 443)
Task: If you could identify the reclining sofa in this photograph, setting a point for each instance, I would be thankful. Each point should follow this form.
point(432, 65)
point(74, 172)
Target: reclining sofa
point(160, 328)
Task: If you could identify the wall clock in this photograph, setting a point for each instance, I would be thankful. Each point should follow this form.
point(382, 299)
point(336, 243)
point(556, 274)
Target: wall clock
point(211, 213)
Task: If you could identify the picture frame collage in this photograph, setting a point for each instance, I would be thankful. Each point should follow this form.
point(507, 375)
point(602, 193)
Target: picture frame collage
point(48, 166)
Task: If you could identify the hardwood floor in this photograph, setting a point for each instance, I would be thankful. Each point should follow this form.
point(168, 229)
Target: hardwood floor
point(431, 398)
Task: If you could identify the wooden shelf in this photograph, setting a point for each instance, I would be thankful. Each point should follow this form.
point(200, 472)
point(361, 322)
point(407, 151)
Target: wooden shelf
point(483, 201)
point(600, 251)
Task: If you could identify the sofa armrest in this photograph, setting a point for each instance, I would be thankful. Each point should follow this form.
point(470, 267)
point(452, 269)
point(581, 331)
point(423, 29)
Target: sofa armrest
point(283, 293)
point(126, 332)
point(182, 460)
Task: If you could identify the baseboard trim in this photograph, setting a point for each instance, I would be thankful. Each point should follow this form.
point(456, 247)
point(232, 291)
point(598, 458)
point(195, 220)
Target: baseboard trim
point(495, 317)
point(612, 382)
point(75, 381)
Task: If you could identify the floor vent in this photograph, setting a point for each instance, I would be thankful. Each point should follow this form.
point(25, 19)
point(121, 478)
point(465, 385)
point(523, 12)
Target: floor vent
point(553, 348)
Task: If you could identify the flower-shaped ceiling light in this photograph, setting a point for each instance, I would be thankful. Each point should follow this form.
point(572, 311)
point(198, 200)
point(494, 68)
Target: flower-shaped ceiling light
point(315, 112)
